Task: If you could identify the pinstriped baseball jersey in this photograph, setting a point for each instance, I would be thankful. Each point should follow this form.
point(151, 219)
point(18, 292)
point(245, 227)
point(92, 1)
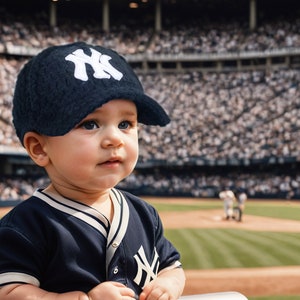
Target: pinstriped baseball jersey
point(62, 245)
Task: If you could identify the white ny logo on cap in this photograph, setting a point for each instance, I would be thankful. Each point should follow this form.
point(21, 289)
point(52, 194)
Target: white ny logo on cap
point(98, 61)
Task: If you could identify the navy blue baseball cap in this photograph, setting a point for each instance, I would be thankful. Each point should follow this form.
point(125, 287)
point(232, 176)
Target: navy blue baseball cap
point(60, 86)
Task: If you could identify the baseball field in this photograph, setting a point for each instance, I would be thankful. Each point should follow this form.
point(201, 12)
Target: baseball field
point(258, 257)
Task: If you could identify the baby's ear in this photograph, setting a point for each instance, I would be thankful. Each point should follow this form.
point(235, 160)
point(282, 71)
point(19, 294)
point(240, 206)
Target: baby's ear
point(34, 144)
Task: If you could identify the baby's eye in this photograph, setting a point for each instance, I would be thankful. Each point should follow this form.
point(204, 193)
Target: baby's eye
point(89, 125)
point(125, 125)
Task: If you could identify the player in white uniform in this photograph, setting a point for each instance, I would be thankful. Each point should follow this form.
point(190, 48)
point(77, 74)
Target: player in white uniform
point(76, 111)
point(228, 198)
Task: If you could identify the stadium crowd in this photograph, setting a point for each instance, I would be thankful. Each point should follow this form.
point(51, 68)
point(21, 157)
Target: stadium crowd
point(194, 36)
point(224, 38)
point(190, 184)
point(216, 117)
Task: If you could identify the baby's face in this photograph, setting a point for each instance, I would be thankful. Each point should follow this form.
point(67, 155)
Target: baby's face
point(99, 152)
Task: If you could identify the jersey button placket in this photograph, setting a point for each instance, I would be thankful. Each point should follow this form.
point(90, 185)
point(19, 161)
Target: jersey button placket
point(116, 268)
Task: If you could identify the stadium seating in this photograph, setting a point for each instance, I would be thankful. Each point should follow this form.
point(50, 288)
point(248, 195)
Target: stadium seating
point(218, 118)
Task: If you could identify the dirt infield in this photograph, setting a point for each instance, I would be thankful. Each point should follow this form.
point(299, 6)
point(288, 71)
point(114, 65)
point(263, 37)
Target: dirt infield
point(250, 282)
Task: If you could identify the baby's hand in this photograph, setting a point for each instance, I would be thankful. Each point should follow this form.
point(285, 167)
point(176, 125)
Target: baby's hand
point(167, 286)
point(110, 290)
point(159, 289)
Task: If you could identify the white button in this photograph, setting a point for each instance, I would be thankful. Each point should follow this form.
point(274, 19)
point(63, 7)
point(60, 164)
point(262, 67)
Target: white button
point(116, 270)
point(115, 244)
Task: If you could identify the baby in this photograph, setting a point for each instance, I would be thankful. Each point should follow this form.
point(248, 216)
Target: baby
point(76, 110)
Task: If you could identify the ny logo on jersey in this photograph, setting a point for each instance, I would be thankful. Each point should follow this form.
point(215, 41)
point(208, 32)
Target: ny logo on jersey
point(150, 271)
point(98, 61)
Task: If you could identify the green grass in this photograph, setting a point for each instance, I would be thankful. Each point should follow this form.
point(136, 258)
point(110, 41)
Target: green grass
point(285, 210)
point(273, 209)
point(211, 248)
point(186, 207)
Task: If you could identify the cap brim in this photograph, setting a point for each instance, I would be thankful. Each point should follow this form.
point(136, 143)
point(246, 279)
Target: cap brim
point(150, 112)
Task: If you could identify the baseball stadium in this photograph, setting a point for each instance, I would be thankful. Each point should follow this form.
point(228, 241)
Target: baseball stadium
point(227, 72)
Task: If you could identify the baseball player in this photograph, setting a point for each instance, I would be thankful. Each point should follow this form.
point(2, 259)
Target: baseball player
point(241, 200)
point(76, 110)
point(228, 198)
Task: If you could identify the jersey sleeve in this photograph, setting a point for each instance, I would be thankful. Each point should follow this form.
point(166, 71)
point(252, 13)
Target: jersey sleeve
point(19, 259)
point(168, 254)
point(22, 240)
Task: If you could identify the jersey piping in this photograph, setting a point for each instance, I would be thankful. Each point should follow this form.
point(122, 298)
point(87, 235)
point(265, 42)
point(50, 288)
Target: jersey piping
point(75, 209)
point(91, 216)
point(119, 224)
point(14, 277)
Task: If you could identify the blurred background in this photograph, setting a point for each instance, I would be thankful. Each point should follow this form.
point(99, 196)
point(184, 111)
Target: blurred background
point(226, 71)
